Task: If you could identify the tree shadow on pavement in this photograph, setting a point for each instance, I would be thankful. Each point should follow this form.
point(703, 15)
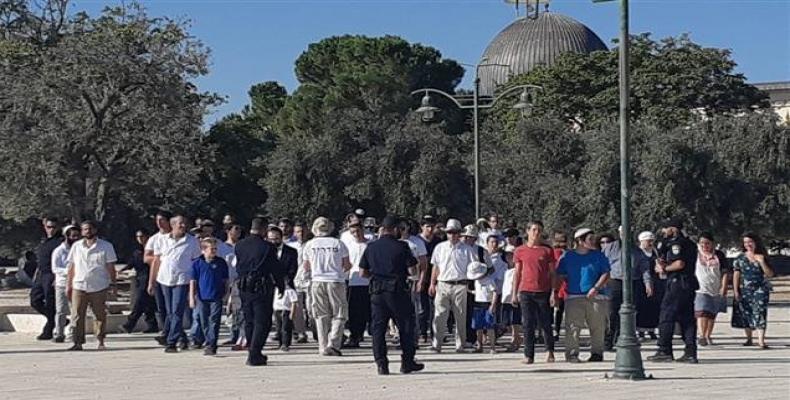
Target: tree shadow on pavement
point(86, 350)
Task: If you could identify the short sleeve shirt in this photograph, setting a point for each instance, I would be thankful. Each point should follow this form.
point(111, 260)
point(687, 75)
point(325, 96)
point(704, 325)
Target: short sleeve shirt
point(176, 256)
point(388, 258)
point(453, 260)
point(90, 265)
point(326, 255)
point(536, 265)
point(582, 271)
point(355, 250)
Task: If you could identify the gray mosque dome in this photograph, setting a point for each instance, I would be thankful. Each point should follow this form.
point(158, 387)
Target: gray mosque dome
point(534, 41)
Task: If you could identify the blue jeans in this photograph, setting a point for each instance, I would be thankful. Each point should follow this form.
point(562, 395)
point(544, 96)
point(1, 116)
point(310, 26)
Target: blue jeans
point(196, 324)
point(210, 316)
point(175, 298)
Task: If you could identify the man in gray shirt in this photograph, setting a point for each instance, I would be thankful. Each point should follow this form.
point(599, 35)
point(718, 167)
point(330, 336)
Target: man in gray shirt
point(640, 277)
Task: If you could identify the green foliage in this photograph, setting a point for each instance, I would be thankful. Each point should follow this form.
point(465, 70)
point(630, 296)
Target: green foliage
point(672, 81)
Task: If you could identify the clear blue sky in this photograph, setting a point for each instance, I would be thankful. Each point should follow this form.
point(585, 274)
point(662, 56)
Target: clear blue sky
point(259, 40)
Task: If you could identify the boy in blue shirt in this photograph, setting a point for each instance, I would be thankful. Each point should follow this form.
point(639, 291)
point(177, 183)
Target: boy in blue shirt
point(586, 271)
point(207, 289)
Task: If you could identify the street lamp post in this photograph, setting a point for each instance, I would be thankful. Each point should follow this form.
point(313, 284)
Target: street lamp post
point(477, 103)
point(628, 361)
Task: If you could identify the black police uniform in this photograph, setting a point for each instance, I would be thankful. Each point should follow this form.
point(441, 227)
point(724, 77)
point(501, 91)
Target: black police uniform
point(678, 303)
point(42, 295)
point(388, 260)
point(144, 303)
point(259, 273)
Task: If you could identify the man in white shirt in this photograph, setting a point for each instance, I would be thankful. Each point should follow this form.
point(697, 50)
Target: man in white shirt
point(60, 267)
point(162, 220)
point(302, 310)
point(358, 294)
point(450, 260)
point(173, 256)
point(91, 271)
point(326, 258)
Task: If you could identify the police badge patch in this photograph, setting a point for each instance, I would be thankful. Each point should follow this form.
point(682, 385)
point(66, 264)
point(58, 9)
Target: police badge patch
point(675, 249)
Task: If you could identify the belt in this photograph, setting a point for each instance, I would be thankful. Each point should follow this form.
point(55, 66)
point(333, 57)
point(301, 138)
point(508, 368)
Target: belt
point(463, 282)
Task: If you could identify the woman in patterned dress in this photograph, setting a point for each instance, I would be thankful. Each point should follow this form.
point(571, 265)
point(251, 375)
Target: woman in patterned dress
point(751, 288)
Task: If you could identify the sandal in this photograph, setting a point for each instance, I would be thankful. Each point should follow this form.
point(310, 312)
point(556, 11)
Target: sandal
point(748, 343)
point(763, 346)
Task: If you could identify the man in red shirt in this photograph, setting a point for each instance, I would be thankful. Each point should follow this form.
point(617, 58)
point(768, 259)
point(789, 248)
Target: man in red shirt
point(535, 281)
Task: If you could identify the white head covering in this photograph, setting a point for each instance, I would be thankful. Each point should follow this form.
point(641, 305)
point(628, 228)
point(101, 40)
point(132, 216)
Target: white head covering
point(646, 235)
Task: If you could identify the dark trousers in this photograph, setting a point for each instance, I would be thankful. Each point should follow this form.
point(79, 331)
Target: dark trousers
point(144, 304)
point(42, 299)
point(558, 316)
point(257, 308)
point(176, 303)
point(210, 313)
point(536, 313)
point(423, 308)
point(613, 330)
point(358, 311)
point(471, 333)
point(677, 306)
point(284, 326)
point(398, 307)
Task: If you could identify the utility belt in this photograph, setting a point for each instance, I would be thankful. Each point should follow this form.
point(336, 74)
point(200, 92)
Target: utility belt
point(682, 282)
point(255, 284)
point(384, 285)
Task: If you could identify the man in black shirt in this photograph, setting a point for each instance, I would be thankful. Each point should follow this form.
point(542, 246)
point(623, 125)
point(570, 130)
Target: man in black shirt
point(386, 262)
point(424, 302)
point(42, 295)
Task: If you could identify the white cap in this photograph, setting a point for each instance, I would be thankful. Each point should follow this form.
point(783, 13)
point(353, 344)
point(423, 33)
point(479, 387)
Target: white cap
point(646, 235)
point(581, 232)
point(67, 228)
point(453, 225)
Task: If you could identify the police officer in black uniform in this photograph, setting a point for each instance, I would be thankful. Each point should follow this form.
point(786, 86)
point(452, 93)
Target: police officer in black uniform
point(386, 262)
point(678, 263)
point(259, 273)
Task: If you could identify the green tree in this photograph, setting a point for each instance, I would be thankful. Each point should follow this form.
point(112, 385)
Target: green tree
point(102, 115)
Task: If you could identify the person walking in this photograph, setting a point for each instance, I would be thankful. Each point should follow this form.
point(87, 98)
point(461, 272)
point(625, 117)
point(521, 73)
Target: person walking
point(91, 272)
point(60, 267)
point(535, 281)
point(450, 260)
point(424, 307)
point(207, 287)
point(713, 276)
point(751, 287)
point(144, 303)
point(586, 270)
point(172, 269)
point(327, 260)
point(302, 314)
point(358, 288)
point(259, 274)
point(42, 294)
point(677, 306)
point(162, 221)
point(386, 262)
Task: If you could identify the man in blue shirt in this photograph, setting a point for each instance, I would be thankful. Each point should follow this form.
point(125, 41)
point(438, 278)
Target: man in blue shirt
point(586, 270)
point(207, 289)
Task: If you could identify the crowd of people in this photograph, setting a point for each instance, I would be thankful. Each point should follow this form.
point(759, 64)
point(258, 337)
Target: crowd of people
point(417, 281)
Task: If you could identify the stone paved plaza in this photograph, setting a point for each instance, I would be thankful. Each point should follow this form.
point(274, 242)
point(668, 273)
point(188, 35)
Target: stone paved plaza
point(135, 368)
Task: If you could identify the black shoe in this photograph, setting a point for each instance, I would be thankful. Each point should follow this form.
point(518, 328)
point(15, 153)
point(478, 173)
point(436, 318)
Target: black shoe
point(171, 349)
point(383, 369)
point(44, 336)
point(661, 357)
point(162, 340)
point(652, 336)
point(59, 339)
point(332, 352)
point(688, 359)
point(595, 358)
point(351, 344)
point(127, 328)
point(76, 347)
point(257, 361)
point(196, 346)
point(183, 346)
point(411, 366)
point(210, 351)
point(301, 339)
point(152, 329)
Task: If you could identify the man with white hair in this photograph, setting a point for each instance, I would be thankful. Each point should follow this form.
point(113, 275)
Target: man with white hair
point(327, 260)
point(450, 260)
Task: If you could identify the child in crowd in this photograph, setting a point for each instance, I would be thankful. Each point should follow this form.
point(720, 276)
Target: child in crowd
point(284, 308)
point(207, 290)
point(511, 313)
point(488, 288)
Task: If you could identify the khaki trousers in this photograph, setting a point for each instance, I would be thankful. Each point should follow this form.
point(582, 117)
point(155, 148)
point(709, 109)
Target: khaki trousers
point(450, 298)
point(330, 312)
point(578, 312)
point(80, 301)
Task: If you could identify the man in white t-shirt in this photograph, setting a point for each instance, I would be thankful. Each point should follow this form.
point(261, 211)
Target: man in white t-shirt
point(358, 292)
point(172, 267)
point(91, 272)
point(301, 315)
point(450, 260)
point(326, 258)
point(162, 220)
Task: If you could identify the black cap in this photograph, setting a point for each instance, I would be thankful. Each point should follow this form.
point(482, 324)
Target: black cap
point(674, 222)
point(389, 222)
point(511, 232)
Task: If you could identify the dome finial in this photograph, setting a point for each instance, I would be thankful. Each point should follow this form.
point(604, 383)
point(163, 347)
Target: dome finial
point(531, 7)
